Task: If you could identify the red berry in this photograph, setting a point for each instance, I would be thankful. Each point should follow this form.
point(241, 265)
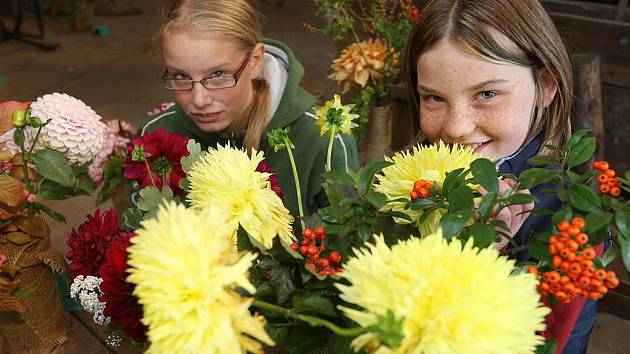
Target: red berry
point(312, 266)
point(304, 250)
point(295, 246)
point(312, 250)
point(334, 257)
point(319, 231)
point(324, 262)
point(307, 233)
point(306, 242)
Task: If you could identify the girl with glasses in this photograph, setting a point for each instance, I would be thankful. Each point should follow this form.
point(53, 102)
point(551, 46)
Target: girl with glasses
point(232, 86)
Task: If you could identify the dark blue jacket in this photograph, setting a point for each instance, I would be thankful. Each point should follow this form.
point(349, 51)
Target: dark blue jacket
point(515, 165)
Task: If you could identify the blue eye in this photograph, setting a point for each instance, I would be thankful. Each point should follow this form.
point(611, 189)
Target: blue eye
point(487, 94)
point(434, 98)
point(217, 74)
point(179, 76)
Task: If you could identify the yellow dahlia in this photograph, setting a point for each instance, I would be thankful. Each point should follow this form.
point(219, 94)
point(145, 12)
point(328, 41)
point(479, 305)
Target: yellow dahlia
point(449, 297)
point(430, 163)
point(358, 62)
point(227, 177)
point(186, 272)
point(333, 113)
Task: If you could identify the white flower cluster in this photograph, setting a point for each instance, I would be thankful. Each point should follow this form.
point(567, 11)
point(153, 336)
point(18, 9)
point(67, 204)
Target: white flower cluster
point(86, 288)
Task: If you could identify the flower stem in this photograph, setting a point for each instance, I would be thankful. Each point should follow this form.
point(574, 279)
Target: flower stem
point(333, 131)
point(311, 320)
point(296, 179)
point(146, 163)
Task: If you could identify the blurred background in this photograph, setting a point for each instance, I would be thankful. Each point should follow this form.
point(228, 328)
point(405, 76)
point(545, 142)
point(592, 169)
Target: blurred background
point(105, 52)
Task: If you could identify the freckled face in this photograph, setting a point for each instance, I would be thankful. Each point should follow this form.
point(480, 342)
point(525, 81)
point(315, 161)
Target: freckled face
point(197, 58)
point(470, 101)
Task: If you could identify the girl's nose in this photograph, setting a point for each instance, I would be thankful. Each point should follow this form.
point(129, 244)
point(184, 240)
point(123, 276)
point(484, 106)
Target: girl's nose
point(201, 96)
point(459, 124)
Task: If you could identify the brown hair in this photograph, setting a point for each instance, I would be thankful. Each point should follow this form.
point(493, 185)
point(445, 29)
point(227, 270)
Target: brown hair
point(235, 20)
point(473, 25)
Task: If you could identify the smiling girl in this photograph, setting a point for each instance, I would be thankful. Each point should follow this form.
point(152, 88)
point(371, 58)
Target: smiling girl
point(494, 75)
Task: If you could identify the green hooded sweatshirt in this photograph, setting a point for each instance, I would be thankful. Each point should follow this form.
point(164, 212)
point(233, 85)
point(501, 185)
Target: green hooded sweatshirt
point(294, 111)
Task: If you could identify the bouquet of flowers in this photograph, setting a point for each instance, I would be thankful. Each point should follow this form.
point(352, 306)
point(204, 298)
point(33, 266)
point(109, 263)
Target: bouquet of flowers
point(369, 66)
point(210, 261)
point(45, 149)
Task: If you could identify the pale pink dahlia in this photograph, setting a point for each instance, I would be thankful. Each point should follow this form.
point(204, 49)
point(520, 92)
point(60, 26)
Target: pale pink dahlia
point(119, 134)
point(75, 129)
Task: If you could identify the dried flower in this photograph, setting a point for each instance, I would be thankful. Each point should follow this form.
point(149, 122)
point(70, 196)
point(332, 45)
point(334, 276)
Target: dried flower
point(360, 61)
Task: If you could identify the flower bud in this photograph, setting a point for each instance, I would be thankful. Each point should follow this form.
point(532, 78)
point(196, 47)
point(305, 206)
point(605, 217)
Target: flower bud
point(34, 122)
point(19, 118)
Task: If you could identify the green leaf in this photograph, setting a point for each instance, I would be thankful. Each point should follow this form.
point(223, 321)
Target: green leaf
point(483, 235)
point(535, 176)
point(304, 340)
point(582, 152)
point(398, 214)
point(420, 204)
point(53, 214)
point(85, 183)
point(339, 176)
point(277, 333)
point(53, 165)
point(487, 203)
point(560, 215)
point(549, 347)
point(340, 345)
point(611, 253)
point(542, 212)
point(622, 221)
point(313, 303)
point(460, 198)
point(18, 137)
point(51, 190)
point(452, 180)
point(453, 222)
point(366, 174)
point(378, 200)
point(151, 198)
point(194, 150)
point(520, 198)
point(597, 220)
point(624, 244)
point(242, 240)
point(539, 250)
point(583, 198)
point(576, 137)
point(131, 219)
point(485, 174)
point(282, 283)
point(364, 231)
point(389, 329)
point(541, 160)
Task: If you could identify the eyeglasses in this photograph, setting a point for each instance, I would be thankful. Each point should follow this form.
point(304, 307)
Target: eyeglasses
point(217, 82)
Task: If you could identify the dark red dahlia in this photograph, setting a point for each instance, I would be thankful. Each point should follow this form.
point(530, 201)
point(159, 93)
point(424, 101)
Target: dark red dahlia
point(120, 303)
point(273, 179)
point(89, 242)
point(163, 151)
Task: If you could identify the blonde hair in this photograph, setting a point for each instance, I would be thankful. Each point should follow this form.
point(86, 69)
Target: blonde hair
point(235, 20)
point(535, 43)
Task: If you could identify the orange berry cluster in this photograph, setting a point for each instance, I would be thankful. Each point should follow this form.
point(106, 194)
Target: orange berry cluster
point(574, 274)
point(421, 189)
point(309, 248)
point(608, 183)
